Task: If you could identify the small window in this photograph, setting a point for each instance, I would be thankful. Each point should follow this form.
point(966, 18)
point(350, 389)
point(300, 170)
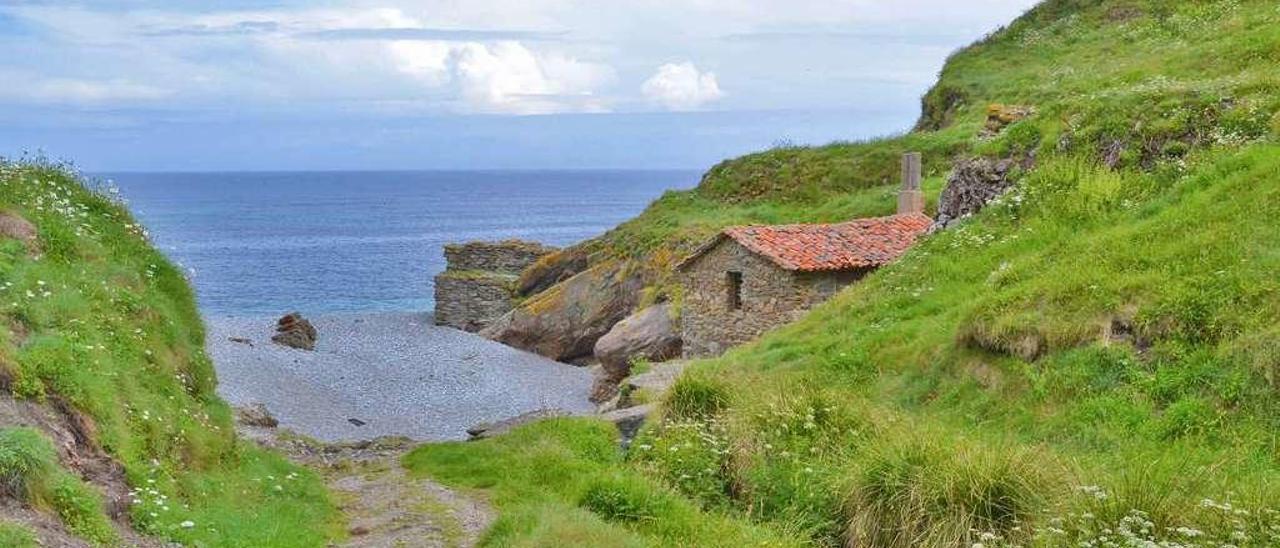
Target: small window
point(734, 286)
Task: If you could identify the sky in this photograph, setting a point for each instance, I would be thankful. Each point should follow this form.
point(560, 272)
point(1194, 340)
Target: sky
point(193, 85)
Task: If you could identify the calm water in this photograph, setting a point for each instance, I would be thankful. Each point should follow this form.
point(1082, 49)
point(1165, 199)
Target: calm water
point(266, 243)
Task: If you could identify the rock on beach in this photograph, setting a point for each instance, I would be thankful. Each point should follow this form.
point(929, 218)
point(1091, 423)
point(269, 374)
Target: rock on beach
point(397, 373)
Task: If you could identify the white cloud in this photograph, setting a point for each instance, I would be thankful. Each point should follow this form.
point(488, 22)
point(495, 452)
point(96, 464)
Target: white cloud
point(508, 77)
point(491, 56)
point(80, 92)
point(681, 86)
point(505, 77)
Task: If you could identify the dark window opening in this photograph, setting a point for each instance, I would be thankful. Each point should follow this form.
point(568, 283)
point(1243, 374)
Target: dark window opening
point(735, 290)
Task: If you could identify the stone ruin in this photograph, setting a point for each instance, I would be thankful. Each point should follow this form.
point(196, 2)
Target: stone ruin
point(479, 285)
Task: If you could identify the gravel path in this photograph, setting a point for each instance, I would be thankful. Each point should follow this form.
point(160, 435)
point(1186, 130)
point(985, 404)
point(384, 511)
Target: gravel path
point(398, 374)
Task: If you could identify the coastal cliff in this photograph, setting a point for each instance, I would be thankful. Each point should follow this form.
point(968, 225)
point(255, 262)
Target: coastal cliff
point(111, 432)
point(1087, 360)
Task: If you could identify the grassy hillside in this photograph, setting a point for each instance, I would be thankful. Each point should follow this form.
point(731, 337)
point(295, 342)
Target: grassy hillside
point(99, 326)
point(1092, 361)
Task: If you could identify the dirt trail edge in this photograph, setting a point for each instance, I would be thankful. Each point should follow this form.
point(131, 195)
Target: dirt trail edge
point(384, 506)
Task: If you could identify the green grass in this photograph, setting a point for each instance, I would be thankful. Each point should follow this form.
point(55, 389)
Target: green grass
point(560, 483)
point(1090, 361)
point(14, 535)
point(101, 322)
point(29, 470)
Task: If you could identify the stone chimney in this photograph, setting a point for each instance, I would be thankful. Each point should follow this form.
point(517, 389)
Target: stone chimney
point(910, 199)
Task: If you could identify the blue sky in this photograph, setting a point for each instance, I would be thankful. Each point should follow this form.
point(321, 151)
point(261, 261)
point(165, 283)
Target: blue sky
point(464, 84)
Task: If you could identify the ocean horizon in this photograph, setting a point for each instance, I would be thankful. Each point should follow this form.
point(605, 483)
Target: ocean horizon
point(321, 242)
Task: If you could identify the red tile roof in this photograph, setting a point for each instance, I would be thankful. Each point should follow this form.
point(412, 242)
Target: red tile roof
point(822, 248)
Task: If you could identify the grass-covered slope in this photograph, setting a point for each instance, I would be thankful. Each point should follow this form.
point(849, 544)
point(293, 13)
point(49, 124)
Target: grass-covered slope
point(98, 326)
point(1131, 82)
point(1091, 361)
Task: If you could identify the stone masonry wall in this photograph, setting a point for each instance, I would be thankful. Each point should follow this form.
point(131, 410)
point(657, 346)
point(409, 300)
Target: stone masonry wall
point(478, 285)
point(771, 296)
point(507, 257)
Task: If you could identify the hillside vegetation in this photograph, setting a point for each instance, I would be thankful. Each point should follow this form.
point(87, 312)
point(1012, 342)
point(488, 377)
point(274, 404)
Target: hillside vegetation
point(1090, 361)
point(100, 341)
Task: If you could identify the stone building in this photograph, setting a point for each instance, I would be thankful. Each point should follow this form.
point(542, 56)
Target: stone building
point(750, 279)
point(478, 285)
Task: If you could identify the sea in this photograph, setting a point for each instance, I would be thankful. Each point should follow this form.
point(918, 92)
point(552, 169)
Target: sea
point(266, 243)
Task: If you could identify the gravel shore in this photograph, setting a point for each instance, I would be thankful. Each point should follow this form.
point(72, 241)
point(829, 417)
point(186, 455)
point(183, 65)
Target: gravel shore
point(387, 374)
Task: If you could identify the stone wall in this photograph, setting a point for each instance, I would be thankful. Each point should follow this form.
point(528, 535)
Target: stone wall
point(771, 296)
point(506, 257)
point(478, 285)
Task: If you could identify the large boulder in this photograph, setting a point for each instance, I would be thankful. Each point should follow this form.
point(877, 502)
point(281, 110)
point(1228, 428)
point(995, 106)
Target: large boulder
point(972, 185)
point(649, 334)
point(564, 322)
point(550, 270)
point(294, 331)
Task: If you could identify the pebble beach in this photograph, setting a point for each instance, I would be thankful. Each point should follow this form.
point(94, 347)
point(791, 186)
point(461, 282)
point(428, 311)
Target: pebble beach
point(387, 374)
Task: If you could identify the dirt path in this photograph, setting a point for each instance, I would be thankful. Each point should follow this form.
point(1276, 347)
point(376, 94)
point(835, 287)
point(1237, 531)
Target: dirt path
point(384, 506)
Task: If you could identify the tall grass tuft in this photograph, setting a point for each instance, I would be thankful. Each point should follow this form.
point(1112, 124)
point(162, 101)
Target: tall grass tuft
point(26, 460)
point(29, 471)
point(939, 493)
point(696, 397)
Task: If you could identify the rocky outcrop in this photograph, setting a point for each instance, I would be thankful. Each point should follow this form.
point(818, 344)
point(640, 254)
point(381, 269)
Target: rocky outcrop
point(478, 285)
point(939, 108)
point(649, 386)
point(294, 331)
point(564, 322)
point(256, 415)
point(649, 334)
point(629, 420)
point(972, 185)
point(490, 429)
point(550, 270)
point(1000, 116)
point(14, 227)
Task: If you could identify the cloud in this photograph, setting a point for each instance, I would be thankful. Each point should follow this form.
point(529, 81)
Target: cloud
point(434, 34)
point(680, 86)
point(506, 77)
point(239, 28)
point(390, 57)
point(80, 92)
